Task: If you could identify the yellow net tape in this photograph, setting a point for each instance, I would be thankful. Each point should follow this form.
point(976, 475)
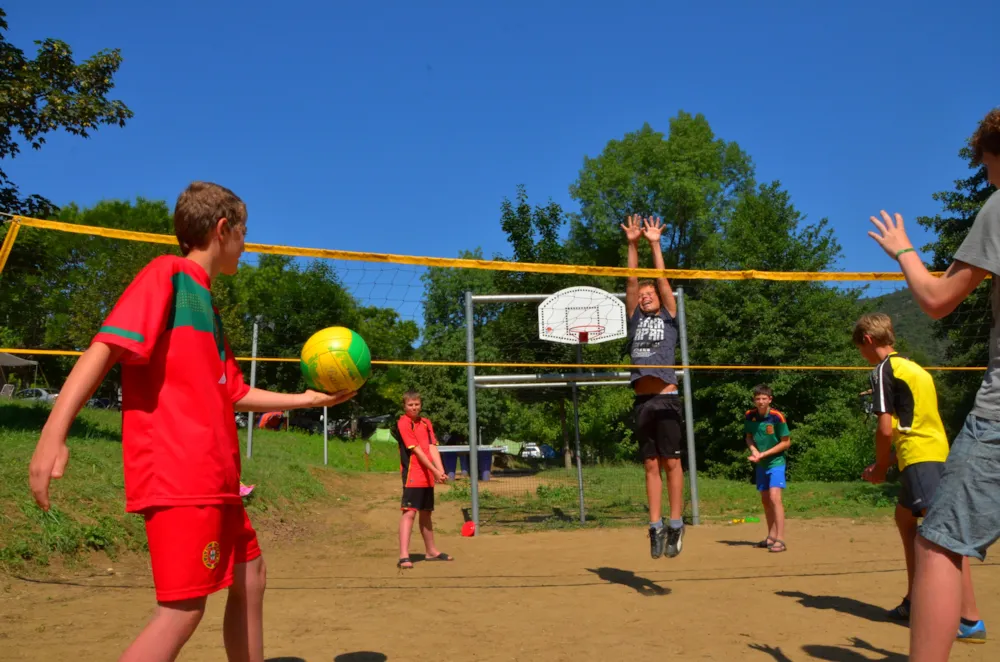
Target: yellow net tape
point(533, 366)
point(490, 265)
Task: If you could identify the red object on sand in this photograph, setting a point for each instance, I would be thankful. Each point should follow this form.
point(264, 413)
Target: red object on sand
point(469, 529)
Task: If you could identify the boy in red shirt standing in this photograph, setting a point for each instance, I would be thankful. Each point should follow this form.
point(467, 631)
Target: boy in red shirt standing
point(420, 464)
point(181, 456)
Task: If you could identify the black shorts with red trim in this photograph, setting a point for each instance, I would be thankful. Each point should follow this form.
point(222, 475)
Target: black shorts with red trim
point(418, 498)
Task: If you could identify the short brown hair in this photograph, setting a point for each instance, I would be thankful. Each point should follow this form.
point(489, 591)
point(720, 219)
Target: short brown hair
point(876, 325)
point(763, 389)
point(987, 136)
point(199, 208)
point(647, 283)
point(411, 395)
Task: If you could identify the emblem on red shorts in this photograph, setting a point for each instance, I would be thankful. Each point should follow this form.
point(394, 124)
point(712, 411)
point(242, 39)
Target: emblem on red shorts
point(210, 555)
point(769, 429)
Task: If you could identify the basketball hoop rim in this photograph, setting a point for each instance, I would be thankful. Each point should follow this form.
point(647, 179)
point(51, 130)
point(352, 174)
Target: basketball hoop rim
point(586, 328)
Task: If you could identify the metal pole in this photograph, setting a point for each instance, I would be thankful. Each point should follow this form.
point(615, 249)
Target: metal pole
point(253, 382)
point(470, 353)
point(326, 436)
point(576, 417)
point(688, 411)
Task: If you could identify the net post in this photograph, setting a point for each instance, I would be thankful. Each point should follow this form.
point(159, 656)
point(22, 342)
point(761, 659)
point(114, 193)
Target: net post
point(253, 382)
point(470, 353)
point(688, 409)
point(576, 428)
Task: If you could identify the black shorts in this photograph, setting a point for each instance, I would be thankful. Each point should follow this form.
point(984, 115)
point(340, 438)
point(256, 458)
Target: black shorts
point(418, 498)
point(658, 425)
point(919, 483)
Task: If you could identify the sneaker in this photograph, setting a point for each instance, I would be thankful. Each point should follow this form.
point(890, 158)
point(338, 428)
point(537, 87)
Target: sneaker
point(675, 540)
point(901, 612)
point(657, 539)
point(972, 634)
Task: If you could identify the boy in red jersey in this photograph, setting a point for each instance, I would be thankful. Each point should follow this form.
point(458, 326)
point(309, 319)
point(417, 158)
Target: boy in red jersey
point(420, 464)
point(180, 387)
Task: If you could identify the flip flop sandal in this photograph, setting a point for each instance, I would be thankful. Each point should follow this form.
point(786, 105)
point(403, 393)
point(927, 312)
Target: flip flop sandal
point(778, 546)
point(767, 543)
point(401, 562)
point(440, 557)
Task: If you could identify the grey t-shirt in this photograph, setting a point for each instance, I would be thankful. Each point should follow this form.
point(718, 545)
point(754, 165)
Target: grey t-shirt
point(653, 338)
point(981, 248)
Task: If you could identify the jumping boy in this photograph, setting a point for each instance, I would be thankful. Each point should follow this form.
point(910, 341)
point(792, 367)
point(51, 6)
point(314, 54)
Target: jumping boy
point(905, 401)
point(181, 455)
point(420, 464)
point(767, 438)
point(964, 519)
point(652, 336)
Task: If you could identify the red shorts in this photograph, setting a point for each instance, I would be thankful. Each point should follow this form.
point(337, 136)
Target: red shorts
point(193, 549)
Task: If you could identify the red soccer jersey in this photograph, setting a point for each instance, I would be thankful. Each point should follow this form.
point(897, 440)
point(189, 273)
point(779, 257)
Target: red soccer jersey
point(415, 434)
point(179, 383)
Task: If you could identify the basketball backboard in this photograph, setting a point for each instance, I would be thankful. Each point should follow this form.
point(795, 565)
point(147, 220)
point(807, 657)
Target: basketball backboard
point(582, 315)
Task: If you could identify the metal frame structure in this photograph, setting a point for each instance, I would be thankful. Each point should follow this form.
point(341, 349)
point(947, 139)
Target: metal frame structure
point(564, 380)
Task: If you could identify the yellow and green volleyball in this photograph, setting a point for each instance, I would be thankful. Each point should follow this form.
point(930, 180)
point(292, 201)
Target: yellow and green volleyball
point(336, 359)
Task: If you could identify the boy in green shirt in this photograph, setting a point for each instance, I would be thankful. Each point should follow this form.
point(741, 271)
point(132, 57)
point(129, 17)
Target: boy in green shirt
point(767, 438)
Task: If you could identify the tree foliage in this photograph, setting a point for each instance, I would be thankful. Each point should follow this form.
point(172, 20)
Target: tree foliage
point(57, 289)
point(772, 323)
point(689, 178)
point(48, 93)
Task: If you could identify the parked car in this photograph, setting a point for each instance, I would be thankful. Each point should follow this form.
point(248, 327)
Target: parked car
point(39, 394)
point(531, 451)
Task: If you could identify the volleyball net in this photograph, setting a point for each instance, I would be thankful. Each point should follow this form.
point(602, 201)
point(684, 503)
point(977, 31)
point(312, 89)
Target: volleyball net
point(791, 330)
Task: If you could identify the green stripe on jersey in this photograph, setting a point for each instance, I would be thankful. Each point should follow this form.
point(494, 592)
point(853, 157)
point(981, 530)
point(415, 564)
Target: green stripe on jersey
point(192, 307)
point(124, 333)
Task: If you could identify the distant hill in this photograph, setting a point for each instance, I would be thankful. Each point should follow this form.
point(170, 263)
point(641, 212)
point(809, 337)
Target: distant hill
point(914, 329)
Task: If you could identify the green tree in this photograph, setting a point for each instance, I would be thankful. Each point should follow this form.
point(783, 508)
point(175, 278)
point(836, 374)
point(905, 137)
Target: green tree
point(445, 396)
point(58, 288)
point(690, 178)
point(967, 329)
point(772, 323)
point(48, 93)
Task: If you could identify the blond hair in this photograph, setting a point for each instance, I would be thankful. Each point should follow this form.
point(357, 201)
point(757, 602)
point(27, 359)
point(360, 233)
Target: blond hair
point(876, 325)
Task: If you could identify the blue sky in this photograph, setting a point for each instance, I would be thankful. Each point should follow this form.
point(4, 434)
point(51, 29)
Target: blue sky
point(400, 126)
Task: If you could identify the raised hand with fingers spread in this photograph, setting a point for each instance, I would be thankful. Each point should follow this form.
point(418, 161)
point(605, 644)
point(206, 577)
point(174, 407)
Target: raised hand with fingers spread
point(891, 235)
point(652, 229)
point(633, 228)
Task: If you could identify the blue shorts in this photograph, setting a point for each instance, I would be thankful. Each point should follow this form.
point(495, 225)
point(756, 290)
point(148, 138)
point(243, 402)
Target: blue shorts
point(964, 516)
point(768, 478)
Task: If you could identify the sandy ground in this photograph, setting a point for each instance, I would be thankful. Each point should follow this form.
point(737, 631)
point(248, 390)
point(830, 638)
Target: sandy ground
point(334, 593)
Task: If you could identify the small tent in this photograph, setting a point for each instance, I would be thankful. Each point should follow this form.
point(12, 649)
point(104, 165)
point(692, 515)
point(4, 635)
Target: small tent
point(382, 434)
point(9, 362)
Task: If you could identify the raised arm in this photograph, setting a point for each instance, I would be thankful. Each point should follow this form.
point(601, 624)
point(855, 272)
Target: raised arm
point(652, 231)
point(937, 297)
point(633, 230)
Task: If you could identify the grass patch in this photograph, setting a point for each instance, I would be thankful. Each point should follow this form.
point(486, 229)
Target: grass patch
point(88, 504)
point(88, 512)
point(616, 495)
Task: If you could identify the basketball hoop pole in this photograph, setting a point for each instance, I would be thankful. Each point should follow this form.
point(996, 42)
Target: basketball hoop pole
point(473, 437)
point(576, 427)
